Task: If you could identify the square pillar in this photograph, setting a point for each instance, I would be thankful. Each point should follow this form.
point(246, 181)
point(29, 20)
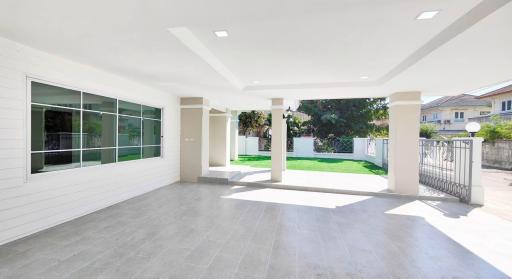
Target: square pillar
point(220, 126)
point(233, 154)
point(278, 145)
point(475, 164)
point(194, 138)
point(404, 129)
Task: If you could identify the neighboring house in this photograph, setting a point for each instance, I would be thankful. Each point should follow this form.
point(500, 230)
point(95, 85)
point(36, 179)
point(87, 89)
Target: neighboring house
point(501, 100)
point(450, 114)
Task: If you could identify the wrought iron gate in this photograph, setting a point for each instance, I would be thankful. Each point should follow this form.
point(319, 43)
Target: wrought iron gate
point(385, 153)
point(446, 165)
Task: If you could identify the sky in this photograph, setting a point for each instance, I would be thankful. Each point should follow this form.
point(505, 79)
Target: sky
point(426, 99)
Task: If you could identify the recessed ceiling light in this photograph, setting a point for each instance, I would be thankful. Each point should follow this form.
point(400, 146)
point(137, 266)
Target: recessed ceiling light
point(255, 81)
point(221, 33)
point(363, 77)
point(427, 15)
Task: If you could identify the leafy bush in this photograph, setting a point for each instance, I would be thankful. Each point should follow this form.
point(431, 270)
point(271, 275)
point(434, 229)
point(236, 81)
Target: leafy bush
point(496, 130)
point(428, 131)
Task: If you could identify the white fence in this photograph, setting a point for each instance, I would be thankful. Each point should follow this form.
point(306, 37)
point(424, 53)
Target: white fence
point(366, 149)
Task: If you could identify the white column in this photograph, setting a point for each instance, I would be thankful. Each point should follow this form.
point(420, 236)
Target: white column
point(220, 135)
point(194, 138)
point(233, 154)
point(278, 147)
point(477, 189)
point(404, 127)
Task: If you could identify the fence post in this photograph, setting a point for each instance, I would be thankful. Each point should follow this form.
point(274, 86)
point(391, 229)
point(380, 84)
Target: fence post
point(477, 189)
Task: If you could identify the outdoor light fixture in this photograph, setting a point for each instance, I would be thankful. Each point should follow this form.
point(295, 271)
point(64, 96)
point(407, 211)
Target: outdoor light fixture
point(427, 15)
point(221, 33)
point(288, 113)
point(472, 128)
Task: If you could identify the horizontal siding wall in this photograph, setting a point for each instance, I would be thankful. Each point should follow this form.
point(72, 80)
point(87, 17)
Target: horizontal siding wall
point(28, 205)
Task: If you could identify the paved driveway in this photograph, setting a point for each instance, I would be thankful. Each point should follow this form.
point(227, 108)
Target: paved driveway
point(498, 192)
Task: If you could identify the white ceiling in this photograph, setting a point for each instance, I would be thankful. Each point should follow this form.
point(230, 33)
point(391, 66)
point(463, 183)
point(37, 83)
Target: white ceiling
point(297, 49)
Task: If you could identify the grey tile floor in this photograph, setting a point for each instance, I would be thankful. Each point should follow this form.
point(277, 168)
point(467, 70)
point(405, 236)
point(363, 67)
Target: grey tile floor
point(214, 231)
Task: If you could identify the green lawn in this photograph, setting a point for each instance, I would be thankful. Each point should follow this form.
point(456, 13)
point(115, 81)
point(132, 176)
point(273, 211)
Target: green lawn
point(314, 164)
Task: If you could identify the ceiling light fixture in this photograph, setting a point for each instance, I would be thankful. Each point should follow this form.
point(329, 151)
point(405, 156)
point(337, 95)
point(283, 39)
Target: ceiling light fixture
point(221, 33)
point(255, 81)
point(363, 77)
point(427, 15)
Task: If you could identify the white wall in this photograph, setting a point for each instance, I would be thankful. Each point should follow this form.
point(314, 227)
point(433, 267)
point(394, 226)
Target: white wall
point(304, 147)
point(32, 203)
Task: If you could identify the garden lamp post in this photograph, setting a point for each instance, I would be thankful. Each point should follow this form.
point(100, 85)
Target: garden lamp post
point(472, 128)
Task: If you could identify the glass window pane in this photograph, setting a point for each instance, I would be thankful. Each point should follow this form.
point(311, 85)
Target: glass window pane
point(54, 128)
point(128, 153)
point(98, 157)
point(509, 104)
point(129, 131)
point(503, 106)
point(53, 95)
point(151, 112)
point(128, 108)
point(99, 103)
point(99, 130)
point(150, 132)
point(54, 161)
point(150, 151)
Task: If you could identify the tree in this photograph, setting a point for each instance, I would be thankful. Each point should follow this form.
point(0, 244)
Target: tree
point(344, 117)
point(251, 121)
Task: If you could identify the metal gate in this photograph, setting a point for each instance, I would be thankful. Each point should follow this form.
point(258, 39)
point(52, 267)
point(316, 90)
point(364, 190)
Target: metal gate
point(446, 165)
point(385, 153)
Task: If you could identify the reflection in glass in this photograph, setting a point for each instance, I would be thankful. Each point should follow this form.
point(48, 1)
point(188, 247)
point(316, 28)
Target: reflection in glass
point(129, 131)
point(99, 103)
point(128, 108)
point(150, 151)
point(53, 95)
point(98, 157)
point(128, 153)
point(151, 112)
point(54, 128)
point(99, 130)
point(150, 132)
point(54, 161)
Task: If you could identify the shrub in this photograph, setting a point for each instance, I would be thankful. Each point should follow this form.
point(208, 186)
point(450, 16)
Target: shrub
point(496, 130)
point(428, 131)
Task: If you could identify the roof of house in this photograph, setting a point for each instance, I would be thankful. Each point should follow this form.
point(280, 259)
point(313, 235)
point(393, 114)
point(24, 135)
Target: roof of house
point(462, 100)
point(503, 90)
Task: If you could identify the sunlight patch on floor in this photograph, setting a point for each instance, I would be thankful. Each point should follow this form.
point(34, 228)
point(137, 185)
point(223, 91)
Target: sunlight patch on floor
point(302, 198)
point(469, 227)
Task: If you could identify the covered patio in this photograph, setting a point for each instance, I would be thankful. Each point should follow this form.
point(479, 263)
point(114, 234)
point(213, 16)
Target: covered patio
point(115, 114)
point(213, 231)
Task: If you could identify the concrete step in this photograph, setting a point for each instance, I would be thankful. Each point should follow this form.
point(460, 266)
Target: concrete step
point(342, 191)
point(219, 177)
